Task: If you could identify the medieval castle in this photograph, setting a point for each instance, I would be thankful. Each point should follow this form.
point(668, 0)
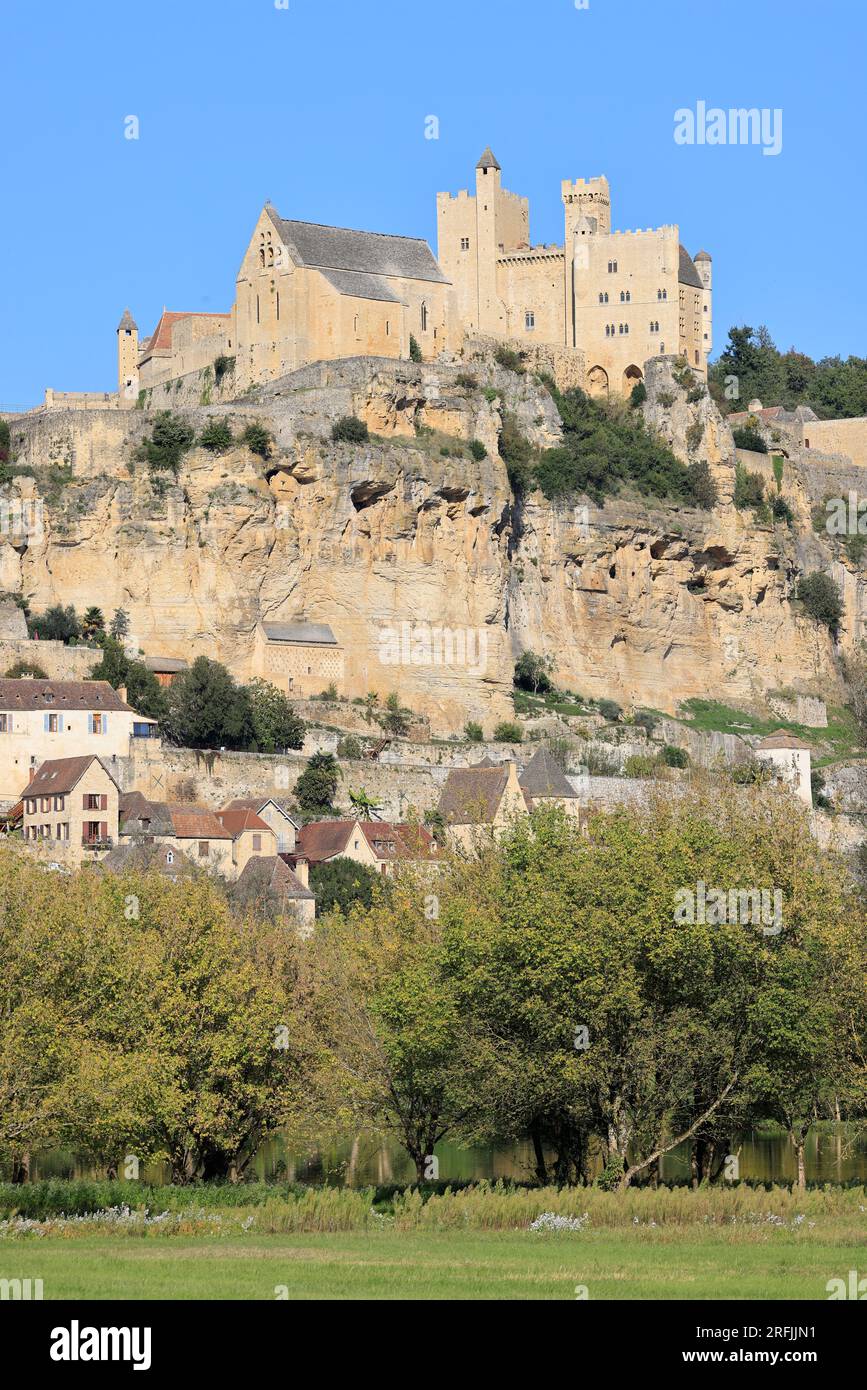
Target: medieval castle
point(306, 292)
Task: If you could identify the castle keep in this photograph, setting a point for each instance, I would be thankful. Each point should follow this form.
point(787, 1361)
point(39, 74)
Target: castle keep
point(618, 298)
point(306, 292)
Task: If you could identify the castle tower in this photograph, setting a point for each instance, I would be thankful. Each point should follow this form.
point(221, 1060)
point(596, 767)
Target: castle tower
point(586, 199)
point(488, 187)
point(704, 266)
point(127, 357)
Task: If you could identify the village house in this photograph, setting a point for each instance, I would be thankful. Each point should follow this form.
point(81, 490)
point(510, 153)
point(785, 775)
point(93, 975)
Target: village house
point(43, 719)
point(149, 857)
point(281, 821)
point(790, 758)
point(70, 806)
point(379, 845)
point(480, 801)
point(544, 783)
point(252, 837)
point(268, 886)
point(191, 830)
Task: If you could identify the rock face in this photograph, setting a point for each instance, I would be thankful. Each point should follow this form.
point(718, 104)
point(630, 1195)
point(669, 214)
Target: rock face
point(432, 576)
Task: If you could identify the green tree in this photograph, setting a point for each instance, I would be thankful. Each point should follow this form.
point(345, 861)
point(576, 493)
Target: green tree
point(350, 430)
point(341, 883)
point(532, 672)
point(93, 623)
point(316, 788)
point(143, 690)
point(275, 724)
point(207, 709)
point(56, 624)
point(821, 598)
point(170, 439)
point(119, 626)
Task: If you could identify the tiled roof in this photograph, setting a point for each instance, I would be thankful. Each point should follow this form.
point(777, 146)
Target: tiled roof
point(542, 777)
point(149, 856)
point(161, 338)
point(471, 795)
point(323, 839)
point(196, 823)
point(59, 775)
point(63, 695)
point(360, 285)
point(782, 739)
point(236, 822)
point(343, 248)
point(701, 256)
point(268, 873)
point(686, 271)
point(308, 634)
point(258, 804)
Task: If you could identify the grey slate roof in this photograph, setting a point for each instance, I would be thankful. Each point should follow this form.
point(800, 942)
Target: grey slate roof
point(702, 256)
point(360, 285)
point(488, 160)
point(127, 321)
point(543, 777)
point(165, 665)
point(686, 271)
point(471, 795)
point(341, 248)
point(309, 634)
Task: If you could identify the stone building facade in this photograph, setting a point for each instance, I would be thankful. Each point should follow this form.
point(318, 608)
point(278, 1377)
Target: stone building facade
point(617, 298)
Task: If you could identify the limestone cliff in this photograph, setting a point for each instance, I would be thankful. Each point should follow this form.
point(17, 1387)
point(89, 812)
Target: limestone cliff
point(644, 602)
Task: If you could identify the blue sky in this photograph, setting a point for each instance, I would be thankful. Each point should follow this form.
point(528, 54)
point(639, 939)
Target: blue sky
point(321, 105)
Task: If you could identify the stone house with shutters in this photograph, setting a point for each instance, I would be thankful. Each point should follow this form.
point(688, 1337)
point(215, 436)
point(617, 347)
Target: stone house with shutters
point(70, 808)
point(44, 719)
point(252, 837)
point(275, 815)
point(479, 802)
point(185, 828)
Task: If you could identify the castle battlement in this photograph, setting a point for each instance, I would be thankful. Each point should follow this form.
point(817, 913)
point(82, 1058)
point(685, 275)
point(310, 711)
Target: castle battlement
point(669, 230)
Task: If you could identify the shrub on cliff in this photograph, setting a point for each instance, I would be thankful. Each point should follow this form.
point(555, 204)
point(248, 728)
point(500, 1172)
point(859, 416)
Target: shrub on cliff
point(508, 732)
point(701, 485)
point(19, 669)
point(257, 440)
point(821, 599)
point(749, 488)
point(516, 452)
point(216, 436)
point(350, 430)
point(414, 349)
point(531, 673)
point(510, 359)
point(748, 437)
point(170, 439)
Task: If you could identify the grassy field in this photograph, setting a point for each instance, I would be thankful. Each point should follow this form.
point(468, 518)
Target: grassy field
point(88, 1240)
point(437, 1265)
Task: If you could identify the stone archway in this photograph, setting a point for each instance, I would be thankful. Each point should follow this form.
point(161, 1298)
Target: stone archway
point(631, 377)
point(597, 382)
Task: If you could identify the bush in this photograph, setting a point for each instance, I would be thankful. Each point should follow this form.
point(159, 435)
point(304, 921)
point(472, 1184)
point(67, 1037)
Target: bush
point(170, 439)
point(602, 447)
point(640, 765)
point(478, 450)
point(510, 359)
point(257, 440)
point(855, 547)
point(466, 381)
point(216, 436)
point(222, 365)
point(531, 673)
point(316, 788)
point(777, 465)
point(638, 394)
point(508, 732)
point(342, 883)
point(473, 731)
point(56, 624)
point(749, 488)
point(645, 720)
point(701, 485)
point(674, 757)
point(516, 452)
point(414, 349)
point(781, 511)
point(275, 725)
point(817, 786)
point(821, 599)
point(23, 668)
point(748, 437)
point(350, 430)
point(694, 435)
point(610, 710)
point(349, 747)
point(666, 399)
point(752, 773)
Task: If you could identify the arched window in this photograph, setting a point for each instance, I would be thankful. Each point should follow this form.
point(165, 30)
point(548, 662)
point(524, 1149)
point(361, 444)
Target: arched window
point(606, 296)
point(628, 296)
point(355, 324)
point(626, 328)
point(602, 299)
point(665, 294)
point(424, 316)
point(622, 297)
point(659, 294)
point(607, 331)
point(170, 857)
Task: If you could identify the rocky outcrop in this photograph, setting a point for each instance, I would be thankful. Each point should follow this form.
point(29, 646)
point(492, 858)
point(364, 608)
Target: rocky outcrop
point(411, 534)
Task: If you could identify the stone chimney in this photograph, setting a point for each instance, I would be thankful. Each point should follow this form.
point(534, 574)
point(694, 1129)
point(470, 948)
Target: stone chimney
point(121, 690)
point(302, 871)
